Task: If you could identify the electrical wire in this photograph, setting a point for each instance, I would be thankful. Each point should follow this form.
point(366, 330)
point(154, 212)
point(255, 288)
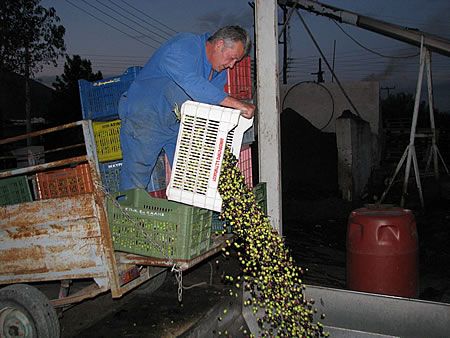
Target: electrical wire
point(117, 20)
point(148, 16)
point(140, 25)
point(318, 84)
point(371, 50)
point(326, 62)
point(106, 23)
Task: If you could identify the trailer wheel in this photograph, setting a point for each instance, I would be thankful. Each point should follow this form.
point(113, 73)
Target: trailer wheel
point(26, 312)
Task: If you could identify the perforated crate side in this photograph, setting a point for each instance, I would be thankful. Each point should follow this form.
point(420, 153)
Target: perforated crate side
point(260, 191)
point(199, 152)
point(65, 182)
point(158, 228)
point(110, 174)
point(107, 140)
point(14, 190)
point(245, 165)
point(239, 80)
point(218, 225)
point(100, 99)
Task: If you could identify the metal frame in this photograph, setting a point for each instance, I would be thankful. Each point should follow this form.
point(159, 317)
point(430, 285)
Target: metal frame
point(410, 152)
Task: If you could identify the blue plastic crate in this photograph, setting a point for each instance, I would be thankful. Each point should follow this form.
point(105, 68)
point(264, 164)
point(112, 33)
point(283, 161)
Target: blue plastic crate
point(218, 225)
point(110, 173)
point(100, 99)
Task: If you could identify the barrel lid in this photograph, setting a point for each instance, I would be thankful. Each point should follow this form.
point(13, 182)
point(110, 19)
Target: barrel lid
point(382, 210)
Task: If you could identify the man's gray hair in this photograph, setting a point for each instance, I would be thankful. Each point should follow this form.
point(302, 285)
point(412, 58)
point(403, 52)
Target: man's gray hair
point(231, 35)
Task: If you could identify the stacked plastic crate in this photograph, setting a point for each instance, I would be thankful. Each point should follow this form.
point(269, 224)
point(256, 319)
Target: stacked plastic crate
point(99, 102)
point(140, 224)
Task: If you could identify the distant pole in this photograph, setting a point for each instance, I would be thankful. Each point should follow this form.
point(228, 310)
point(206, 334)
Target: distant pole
point(319, 73)
point(284, 41)
point(252, 5)
point(334, 56)
point(388, 90)
point(285, 45)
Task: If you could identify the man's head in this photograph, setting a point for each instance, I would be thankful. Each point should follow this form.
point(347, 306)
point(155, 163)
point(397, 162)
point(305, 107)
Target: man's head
point(227, 46)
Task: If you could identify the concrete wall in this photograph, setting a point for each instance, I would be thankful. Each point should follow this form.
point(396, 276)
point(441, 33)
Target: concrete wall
point(357, 138)
point(353, 140)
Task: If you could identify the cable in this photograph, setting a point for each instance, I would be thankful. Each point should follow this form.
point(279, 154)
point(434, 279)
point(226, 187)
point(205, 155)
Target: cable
point(137, 23)
point(319, 84)
point(148, 16)
point(326, 62)
point(287, 19)
point(97, 18)
point(122, 23)
point(371, 50)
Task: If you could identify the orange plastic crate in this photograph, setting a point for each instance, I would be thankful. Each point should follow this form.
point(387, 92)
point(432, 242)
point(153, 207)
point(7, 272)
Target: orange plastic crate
point(158, 194)
point(64, 182)
point(239, 80)
point(245, 165)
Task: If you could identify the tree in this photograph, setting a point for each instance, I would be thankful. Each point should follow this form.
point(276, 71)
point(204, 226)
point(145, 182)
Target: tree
point(66, 105)
point(401, 105)
point(30, 37)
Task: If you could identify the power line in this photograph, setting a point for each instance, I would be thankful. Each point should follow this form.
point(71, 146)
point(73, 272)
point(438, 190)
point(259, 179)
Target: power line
point(122, 23)
point(148, 16)
point(132, 20)
point(371, 50)
point(106, 23)
point(148, 23)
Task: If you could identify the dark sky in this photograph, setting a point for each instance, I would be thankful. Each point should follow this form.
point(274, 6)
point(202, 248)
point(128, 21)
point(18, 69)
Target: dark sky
point(116, 34)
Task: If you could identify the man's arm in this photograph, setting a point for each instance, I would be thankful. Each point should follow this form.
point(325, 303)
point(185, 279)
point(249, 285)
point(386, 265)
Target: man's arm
point(247, 109)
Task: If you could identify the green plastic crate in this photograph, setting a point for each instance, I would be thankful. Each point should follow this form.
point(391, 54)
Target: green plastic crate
point(14, 190)
point(180, 231)
point(260, 191)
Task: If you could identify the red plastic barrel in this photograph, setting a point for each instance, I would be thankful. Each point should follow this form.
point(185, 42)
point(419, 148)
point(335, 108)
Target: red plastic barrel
point(382, 251)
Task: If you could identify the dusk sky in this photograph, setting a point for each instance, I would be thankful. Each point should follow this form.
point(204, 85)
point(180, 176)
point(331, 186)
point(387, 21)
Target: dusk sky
point(116, 34)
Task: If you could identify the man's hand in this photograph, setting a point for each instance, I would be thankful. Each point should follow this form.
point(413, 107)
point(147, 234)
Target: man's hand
point(247, 109)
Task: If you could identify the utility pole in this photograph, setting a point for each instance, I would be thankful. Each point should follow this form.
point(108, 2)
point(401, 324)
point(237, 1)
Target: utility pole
point(319, 73)
point(388, 90)
point(284, 42)
point(334, 57)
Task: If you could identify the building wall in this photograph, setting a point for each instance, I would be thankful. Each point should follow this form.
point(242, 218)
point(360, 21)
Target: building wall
point(322, 103)
point(357, 149)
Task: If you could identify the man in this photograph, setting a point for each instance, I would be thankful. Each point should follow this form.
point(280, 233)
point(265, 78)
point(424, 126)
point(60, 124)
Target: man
point(187, 67)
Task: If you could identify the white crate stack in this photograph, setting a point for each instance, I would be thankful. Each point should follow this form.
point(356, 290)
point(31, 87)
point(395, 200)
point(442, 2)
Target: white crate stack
point(204, 131)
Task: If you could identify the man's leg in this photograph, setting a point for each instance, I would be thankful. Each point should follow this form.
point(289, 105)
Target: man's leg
point(139, 158)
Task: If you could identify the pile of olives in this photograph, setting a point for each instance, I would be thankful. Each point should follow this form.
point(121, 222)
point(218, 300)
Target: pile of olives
point(269, 274)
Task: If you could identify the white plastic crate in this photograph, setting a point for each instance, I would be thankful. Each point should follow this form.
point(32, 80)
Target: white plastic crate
point(204, 131)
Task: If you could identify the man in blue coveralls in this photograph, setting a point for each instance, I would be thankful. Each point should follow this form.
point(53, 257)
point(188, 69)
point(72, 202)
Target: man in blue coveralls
point(186, 67)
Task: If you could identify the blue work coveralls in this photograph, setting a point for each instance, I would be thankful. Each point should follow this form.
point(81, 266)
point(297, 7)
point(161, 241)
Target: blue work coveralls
point(176, 72)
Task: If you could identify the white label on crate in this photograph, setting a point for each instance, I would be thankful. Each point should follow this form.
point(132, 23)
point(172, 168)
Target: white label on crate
point(218, 160)
point(145, 213)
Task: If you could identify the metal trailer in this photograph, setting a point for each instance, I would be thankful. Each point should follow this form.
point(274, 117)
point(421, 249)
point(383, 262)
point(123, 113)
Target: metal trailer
point(64, 239)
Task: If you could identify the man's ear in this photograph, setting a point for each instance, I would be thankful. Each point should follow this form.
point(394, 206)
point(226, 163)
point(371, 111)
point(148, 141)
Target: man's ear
point(220, 44)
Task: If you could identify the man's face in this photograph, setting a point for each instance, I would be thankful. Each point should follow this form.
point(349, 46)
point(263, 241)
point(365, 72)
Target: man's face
point(224, 57)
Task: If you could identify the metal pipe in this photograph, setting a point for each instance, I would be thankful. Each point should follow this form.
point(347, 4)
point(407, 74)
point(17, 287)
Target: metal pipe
point(409, 35)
